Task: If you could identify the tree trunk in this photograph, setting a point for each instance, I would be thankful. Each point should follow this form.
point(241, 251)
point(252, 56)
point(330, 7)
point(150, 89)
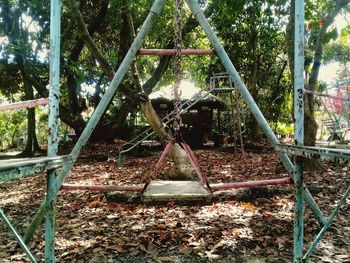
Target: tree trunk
point(255, 128)
point(32, 145)
point(75, 121)
point(184, 169)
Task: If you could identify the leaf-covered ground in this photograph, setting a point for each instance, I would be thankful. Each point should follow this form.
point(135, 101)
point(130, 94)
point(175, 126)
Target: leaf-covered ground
point(249, 225)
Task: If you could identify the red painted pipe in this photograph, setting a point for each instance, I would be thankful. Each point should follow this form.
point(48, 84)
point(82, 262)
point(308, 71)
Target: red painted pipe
point(325, 95)
point(259, 183)
point(103, 188)
point(139, 188)
point(162, 158)
point(24, 104)
point(169, 52)
point(194, 162)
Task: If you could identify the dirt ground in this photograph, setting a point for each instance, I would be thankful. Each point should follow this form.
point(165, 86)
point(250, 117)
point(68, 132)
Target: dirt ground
point(248, 225)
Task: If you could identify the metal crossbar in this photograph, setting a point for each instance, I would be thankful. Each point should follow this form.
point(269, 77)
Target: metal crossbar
point(17, 168)
point(24, 104)
point(327, 154)
point(170, 52)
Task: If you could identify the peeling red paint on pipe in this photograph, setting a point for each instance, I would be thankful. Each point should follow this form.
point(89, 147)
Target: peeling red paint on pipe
point(103, 188)
point(24, 104)
point(259, 183)
point(170, 52)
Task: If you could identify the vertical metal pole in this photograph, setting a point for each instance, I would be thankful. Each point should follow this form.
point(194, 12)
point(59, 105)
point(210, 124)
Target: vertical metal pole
point(298, 129)
point(102, 106)
point(55, 28)
point(225, 60)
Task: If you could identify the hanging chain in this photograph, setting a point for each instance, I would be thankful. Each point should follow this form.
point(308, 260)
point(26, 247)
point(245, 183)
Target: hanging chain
point(177, 64)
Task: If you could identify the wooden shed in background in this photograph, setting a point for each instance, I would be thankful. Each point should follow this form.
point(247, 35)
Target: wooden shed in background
point(197, 121)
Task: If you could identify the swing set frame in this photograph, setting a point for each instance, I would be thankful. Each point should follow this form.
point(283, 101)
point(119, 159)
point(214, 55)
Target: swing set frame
point(55, 181)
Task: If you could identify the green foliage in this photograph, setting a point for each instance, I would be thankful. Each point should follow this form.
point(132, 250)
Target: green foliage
point(252, 36)
point(330, 35)
point(12, 128)
point(283, 128)
point(252, 32)
point(339, 51)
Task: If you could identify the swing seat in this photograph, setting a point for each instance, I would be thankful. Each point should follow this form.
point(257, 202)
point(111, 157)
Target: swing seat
point(177, 191)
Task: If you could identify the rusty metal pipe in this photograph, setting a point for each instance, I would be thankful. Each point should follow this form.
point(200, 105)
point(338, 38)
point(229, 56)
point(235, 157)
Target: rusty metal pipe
point(103, 188)
point(249, 184)
point(170, 52)
point(24, 104)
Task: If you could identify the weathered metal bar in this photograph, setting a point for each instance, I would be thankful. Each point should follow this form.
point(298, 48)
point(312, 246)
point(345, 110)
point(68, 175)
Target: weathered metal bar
point(103, 188)
point(17, 237)
point(17, 168)
point(102, 106)
point(249, 184)
point(54, 95)
point(170, 52)
point(327, 154)
point(194, 162)
point(24, 104)
point(220, 51)
point(298, 129)
point(327, 225)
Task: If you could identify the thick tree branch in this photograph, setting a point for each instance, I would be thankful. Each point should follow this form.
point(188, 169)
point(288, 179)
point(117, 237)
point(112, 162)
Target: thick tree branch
point(85, 35)
point(93, 27)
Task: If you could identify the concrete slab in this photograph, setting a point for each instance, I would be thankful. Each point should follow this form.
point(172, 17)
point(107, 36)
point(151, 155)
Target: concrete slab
point(166, 191)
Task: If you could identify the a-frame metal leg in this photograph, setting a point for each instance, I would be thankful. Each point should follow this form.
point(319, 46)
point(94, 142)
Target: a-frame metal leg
point(327, 225)
point(196, 10)
point(17, 237)
point(101, 108)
